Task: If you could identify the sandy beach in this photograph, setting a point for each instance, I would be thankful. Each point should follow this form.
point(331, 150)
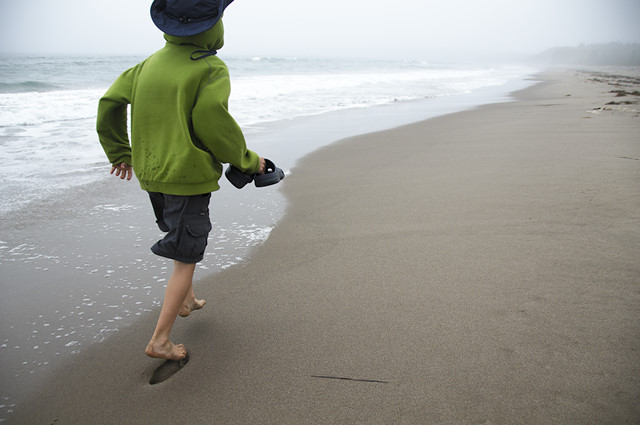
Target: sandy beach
point(479, 267)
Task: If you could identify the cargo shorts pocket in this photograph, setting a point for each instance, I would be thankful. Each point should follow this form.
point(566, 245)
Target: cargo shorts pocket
point(194, 240)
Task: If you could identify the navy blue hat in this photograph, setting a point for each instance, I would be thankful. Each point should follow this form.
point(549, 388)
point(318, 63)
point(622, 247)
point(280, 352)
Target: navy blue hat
point(187, 17)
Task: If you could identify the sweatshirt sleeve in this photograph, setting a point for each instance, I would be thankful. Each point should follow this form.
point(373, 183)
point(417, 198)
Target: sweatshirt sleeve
point(111, 123)
point(216, 129)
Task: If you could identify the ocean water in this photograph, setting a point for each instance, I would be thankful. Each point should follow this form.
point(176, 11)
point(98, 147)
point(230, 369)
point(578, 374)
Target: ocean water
point(48, 106)
point(50, 156)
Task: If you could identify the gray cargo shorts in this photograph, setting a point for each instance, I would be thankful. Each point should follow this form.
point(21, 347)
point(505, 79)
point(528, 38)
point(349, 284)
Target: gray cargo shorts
point(186, 221)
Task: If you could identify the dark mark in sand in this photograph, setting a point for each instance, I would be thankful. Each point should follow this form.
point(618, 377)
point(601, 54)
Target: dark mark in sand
point(341, 378)
point(167, 369)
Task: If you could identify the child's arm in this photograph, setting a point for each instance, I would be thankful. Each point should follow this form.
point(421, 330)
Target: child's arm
point(111, 123)
point(218, 131)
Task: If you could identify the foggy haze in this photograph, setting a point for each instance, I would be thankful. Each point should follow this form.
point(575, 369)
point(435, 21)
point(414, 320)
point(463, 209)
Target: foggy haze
point(412, 29)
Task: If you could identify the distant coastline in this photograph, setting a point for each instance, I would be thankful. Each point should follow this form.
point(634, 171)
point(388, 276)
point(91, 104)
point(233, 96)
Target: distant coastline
point(609, 54)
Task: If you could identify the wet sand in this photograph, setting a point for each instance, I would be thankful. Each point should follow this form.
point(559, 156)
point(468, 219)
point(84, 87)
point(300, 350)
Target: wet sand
point(481, 267)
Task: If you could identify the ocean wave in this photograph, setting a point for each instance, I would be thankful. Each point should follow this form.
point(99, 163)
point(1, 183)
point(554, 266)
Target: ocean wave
point(272, 59)
point(27, 87)
point(35, 108)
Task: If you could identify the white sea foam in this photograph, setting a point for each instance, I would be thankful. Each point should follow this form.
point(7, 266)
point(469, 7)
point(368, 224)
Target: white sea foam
point(34, 108)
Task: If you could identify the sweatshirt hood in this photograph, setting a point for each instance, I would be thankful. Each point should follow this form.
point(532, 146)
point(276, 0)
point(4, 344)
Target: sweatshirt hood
point(211, 39)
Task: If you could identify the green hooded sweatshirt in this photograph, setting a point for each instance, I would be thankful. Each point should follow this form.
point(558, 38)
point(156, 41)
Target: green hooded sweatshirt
point(181, 129)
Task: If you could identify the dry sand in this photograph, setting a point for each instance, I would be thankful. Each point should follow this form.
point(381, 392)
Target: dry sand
point(481, 267)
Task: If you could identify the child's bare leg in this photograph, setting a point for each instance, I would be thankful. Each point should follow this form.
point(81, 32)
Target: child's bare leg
point(191, 303)
point(177, 290)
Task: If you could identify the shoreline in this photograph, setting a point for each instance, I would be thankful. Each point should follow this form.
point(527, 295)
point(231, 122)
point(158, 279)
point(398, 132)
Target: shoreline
point(226, 326)
point(60, 252)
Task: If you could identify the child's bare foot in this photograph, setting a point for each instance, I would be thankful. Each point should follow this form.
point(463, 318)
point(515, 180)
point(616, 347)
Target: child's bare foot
point(189, 307)
point(167, 351)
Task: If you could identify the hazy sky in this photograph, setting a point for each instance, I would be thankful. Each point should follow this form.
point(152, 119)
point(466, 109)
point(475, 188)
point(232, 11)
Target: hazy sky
point(407, 29)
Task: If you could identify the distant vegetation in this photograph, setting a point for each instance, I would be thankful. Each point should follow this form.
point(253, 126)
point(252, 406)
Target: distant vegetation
point(626, 54)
